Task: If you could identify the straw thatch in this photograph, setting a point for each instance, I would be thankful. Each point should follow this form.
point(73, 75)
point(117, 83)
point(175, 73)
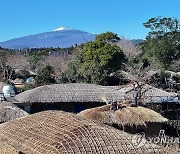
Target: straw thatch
point(151, 94)
point(8, 112)
point(55, 132)
point(69, 93)
point(18, 81)
point(132, 116)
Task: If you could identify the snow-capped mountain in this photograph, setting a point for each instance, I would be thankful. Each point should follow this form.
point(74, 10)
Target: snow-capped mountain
point(60, 37)
point(62, 28)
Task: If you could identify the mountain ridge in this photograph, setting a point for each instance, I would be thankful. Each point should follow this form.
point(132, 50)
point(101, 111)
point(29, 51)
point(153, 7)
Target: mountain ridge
point(62, 37)
point(59, 38)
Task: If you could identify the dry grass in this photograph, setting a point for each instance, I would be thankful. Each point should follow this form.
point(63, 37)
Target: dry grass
point(138, 116)
point(55, 132)
point(73, 92)
point(126, 115)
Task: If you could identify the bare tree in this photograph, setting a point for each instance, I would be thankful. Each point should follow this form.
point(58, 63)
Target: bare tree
point(128, 47)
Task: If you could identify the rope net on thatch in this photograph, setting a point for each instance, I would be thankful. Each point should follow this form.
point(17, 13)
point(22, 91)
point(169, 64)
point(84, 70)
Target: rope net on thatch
point(9, 111)
point(69, 93)
point(54, 132)
point(137, 116)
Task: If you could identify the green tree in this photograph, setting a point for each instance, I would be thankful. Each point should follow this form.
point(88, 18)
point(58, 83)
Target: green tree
point(37, 57)
point(108, 37)
point(44, 76)
point(96, 60)
point(160, 27)
point(162, 42)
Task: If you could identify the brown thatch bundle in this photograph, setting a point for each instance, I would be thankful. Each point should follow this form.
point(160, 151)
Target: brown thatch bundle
point(100, 114)
point(18, 81)
point(69, 93)
point(55, 132)
point(9, 111)
point(137, 116)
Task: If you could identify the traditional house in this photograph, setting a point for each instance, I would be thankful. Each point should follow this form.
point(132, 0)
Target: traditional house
point(56, 132)
point(67, 97)
point(150, 94)
point(8, 111)
point(129, 119)
point(18, 82)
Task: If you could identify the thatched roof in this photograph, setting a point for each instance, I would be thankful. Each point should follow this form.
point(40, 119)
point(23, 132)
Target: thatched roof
point(151, 94)
point(69, 93)
point(56, 132)
point(18, 81)
point(137, 116)
point(9, 111)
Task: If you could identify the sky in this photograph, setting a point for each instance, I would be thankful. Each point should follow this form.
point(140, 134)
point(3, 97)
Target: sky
point(124, 17)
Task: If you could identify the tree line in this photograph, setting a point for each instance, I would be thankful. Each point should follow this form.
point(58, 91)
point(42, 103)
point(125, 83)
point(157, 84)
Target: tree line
point(98, 61)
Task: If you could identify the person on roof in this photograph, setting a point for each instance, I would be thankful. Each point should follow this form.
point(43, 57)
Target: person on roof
point(135, 94)
point(114, 106)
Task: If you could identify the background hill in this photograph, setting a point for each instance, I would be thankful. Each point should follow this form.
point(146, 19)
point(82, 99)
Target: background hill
point(137, 41)
point(61, 37)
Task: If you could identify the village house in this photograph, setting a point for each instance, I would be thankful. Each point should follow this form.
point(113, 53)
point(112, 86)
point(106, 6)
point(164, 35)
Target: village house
point(129, 119)
point(9, 111)
point(56, 132)
point(150, 94)
point(72, 97)
point(18, 83)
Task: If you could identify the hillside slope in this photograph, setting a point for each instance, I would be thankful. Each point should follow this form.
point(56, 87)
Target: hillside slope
point(61, 37)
